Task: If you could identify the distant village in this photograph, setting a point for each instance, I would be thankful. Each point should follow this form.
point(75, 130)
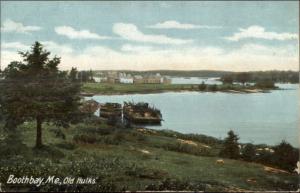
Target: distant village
point(114, 77)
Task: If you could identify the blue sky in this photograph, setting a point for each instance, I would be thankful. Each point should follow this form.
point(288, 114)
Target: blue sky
point(237, 36)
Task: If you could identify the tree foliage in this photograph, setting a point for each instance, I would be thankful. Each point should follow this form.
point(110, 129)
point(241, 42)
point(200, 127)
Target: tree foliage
point(230, 146)
point(35, 89)
point(248, 152)
point(285, 156)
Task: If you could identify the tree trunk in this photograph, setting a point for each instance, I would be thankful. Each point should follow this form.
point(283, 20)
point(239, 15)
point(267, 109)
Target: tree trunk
point(38, 132)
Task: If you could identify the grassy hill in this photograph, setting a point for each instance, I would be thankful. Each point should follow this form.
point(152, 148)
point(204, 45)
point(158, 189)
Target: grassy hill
point(133, 159)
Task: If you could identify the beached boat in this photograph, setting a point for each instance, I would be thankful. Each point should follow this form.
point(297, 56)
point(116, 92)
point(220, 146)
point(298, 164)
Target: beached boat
point(141, 113)
point(89, 106)
point(108, 110)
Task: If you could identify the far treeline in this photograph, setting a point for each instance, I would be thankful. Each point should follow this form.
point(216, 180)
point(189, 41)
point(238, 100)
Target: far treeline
point(255, 76)
point(261, 76)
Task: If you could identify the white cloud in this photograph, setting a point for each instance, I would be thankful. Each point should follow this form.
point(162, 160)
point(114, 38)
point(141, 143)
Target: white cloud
point(14, 46)
point(9, 50)
point(56, 48)
point(81, 34)
point(51, 46)
point(171, 24)
point(247, 57)
point(131, 32)
point(259, 32)
point(12, 26)
point(131, 48)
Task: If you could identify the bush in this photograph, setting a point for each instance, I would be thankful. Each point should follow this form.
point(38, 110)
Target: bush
point(58, 133)
point(67, 146)
point(13, 145)
point(85, 138)
point(265, 84)
point(202, 86)
point(248, 152)
point(170, 184)
point(212, 87)
point(285, 156)
point(187, 148)
point(143, 172)
point(138, 136)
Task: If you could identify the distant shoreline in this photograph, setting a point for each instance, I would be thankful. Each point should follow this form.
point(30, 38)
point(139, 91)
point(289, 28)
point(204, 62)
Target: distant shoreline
point(94, 89)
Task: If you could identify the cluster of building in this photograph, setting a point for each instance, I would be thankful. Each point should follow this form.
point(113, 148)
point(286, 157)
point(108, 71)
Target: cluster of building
point(122, 77)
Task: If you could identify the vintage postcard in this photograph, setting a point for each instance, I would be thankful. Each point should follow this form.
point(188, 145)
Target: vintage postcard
point(196, 96)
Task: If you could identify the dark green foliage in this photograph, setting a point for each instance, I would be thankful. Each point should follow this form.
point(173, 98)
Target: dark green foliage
point(48, 152)
point(285, 156)
point(112, 120)
point(248, 152)
point(85, 138)
point(36, 90)
point(187, 148)
point(171, 184)
point(212, 87)
point(227, 79)
point(268, 84)
point(202, 86)
point(85, 76)
point(243, 77)
point(143, 172)
point(262, 76)
point(230, 146)
point(195, 137)
point(58, 133)
point(73, 75)
point(66, 145)
point(13, 145)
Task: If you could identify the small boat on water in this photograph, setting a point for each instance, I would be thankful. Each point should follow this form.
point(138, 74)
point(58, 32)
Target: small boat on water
point(141, 113)
point(108, 110)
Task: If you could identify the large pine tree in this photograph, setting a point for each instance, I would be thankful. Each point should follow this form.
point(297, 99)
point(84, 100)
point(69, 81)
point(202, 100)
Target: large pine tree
point(35, 89)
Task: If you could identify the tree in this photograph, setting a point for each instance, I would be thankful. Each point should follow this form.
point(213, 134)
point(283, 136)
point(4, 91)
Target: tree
point(73, 74)
point(286, 156)
point(230, 146)
point(202, 86)
point(227, 79)
point(35, 89)
point(248, 152)
point(243, 77)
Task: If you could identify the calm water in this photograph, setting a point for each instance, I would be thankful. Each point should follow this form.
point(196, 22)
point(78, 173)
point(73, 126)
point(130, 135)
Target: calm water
point(257, 118)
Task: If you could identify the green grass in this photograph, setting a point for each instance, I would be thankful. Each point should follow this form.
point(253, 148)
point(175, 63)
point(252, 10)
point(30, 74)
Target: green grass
point(132, 159)
point(107, 88)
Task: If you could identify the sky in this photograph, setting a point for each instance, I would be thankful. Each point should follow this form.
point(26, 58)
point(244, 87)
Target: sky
point(193, 35)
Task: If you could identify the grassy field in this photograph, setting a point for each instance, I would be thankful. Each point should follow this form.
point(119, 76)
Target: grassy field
point(133, 159)
point(106, 88)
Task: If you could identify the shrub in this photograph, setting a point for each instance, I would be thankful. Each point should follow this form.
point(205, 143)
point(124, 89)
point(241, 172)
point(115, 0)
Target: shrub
point(85, 138)
point(202, 86)
point(187, 148)
point(248, 152)
point(265, 84)
point(285, 156)
point(212, 87)
point(143, 172)
point(68, 146)
point(176, 185)
point(58, 133)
